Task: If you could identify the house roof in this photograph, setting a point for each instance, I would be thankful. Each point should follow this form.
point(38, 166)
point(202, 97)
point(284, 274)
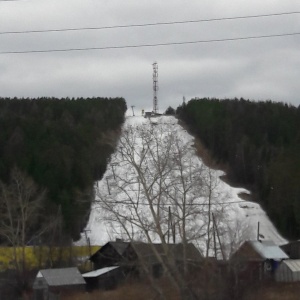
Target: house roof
point(268, 250)
point(61, 277)
point(99, 272)
point(146, 251)
point(119, 246)
point(293, 264)
point(192, 253)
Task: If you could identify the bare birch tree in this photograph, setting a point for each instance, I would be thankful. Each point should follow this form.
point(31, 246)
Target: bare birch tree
point(161, 188)
point(21, 222)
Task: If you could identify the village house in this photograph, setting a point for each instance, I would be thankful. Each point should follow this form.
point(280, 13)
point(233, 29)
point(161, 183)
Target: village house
point(135, 258)
point(257, 260)
point(50, 283)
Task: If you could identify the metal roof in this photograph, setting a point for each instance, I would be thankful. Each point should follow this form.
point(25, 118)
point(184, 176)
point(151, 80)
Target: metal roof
point(61, 277)
point(293, 264)
point(268, 250)
point(99, 272)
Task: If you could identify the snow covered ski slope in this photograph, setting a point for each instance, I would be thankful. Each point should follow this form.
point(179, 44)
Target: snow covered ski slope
point(156, 187)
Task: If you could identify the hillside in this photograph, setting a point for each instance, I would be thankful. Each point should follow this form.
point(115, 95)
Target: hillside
point(260, 143)
point(155, 162)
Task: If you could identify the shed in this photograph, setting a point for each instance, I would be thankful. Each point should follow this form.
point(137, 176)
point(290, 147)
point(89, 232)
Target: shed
point(105, 278)
point(49, 283)
point(288, 271)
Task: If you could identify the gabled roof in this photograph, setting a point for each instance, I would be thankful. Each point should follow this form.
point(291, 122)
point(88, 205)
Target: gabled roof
point(268, 250)
point(119, 246)
point(61, 277)
point(192, 253)
point(147, 251)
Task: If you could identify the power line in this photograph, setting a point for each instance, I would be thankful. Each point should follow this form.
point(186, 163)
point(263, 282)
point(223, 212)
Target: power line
point(146, 24)
point(152, 45)
point(130, 203)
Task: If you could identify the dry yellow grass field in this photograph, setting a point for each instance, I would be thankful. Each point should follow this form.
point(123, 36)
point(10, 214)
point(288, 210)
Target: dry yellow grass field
point(41, 256)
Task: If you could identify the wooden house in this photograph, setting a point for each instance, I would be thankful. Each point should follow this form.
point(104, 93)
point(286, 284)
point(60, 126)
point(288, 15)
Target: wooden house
point(50, 283)
point(257, 260)
point(134, 257)
point(150, 256)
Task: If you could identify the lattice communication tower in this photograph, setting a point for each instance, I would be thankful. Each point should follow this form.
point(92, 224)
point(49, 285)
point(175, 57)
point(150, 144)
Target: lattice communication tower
point(155, 87)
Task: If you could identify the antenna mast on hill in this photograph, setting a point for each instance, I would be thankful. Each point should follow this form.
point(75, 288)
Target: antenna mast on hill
point(155, 87)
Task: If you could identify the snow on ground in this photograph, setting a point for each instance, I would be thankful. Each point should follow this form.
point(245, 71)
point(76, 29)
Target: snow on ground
point(239, 218)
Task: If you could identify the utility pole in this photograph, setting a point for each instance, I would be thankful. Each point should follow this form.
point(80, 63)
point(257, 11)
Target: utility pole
point(218, 236)
point(88, 240)
point(108, 178)
point(132, 106)
point(113, 169)
point(155, 87)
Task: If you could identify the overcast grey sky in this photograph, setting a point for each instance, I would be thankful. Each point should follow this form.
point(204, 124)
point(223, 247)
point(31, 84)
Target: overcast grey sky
point(256, 69)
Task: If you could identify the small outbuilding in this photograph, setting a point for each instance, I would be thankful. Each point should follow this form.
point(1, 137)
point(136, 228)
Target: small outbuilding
point(288, 271)
point(50, 283)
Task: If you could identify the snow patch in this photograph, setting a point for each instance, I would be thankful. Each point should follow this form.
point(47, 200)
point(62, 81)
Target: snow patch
point(240, 217)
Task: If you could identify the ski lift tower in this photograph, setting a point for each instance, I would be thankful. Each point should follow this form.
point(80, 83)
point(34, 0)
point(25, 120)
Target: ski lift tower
point(155, 87)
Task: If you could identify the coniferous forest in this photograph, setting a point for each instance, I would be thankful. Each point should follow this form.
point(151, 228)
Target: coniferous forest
point(260, 144)
point(63, 145)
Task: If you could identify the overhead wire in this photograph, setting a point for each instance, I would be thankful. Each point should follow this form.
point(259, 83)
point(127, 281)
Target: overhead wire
point(147, 24)
point(130, 203)
point(151, 45)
